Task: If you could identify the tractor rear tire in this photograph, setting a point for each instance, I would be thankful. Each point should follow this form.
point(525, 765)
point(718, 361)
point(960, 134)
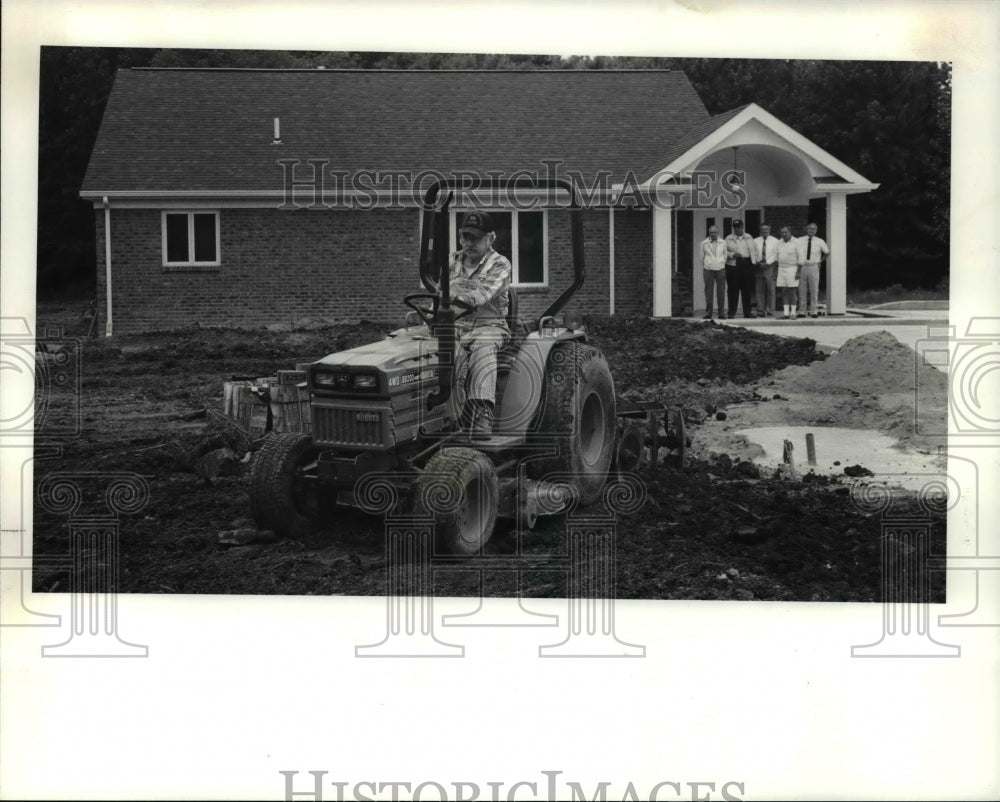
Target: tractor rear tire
point(458, 488)
point(279, 493)
point(578, 417)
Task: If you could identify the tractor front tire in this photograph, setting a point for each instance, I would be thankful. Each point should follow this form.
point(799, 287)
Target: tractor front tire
point(280, 496)
point(578, 418)
point(458, 488)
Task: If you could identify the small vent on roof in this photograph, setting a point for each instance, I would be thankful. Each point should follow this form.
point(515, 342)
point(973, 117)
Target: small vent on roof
point(277, 132)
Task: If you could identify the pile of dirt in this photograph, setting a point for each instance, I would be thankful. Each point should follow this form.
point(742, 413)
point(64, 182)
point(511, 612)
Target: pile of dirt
point(875, 363)
point(645, 353)
point(695, 367)
point(872, 382)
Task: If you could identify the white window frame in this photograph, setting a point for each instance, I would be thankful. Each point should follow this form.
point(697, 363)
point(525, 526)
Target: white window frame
point(514, 242)
point(190, 262)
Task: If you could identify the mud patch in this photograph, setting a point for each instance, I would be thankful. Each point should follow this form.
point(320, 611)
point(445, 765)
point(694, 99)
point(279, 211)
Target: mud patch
point(873, 382)
point(838, 450)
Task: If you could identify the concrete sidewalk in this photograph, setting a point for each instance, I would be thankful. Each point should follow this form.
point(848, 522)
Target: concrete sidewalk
point(830, 333)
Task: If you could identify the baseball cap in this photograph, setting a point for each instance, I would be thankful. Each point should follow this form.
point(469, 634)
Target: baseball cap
point(737, 223)
point(478, 223)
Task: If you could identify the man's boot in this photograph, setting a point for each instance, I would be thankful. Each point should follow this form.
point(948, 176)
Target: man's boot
point(482, 423)
point(467, 419)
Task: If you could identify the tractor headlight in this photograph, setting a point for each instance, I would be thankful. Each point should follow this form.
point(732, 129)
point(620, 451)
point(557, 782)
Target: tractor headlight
point(340, 381)
point(365, 381)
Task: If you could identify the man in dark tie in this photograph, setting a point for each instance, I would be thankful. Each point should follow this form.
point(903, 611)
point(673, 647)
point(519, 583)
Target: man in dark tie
point(765, 256)
point(813, 252)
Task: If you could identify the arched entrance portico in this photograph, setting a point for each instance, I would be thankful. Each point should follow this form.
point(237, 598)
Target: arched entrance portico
point(782, 174)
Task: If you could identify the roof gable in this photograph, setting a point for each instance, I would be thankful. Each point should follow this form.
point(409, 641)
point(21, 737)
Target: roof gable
point(750, 125)
point(182, 130)
point(689, 140)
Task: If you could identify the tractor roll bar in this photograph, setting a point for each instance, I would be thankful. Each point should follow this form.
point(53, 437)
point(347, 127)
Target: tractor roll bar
point(435, 250)
point(433, 245)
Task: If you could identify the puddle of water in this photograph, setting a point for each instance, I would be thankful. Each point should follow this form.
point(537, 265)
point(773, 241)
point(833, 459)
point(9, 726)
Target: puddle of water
point(872, 450)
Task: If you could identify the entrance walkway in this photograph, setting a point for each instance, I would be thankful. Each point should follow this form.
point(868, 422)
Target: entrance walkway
point(830, 333)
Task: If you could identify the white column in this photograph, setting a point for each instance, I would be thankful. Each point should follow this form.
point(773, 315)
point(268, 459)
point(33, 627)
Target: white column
point(662, 249)
point(699, 302)
point(836, 262)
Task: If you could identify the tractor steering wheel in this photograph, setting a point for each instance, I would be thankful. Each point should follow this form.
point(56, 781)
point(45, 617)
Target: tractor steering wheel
point(468, 308)
point(426, 315)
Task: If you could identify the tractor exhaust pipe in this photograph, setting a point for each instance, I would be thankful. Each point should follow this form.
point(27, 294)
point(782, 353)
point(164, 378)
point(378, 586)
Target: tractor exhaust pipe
point(434, 260)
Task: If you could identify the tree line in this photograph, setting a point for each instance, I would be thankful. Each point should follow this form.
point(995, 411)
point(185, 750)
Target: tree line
point(890, 121)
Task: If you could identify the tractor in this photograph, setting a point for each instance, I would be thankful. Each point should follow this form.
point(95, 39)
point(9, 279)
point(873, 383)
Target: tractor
point(391, 410)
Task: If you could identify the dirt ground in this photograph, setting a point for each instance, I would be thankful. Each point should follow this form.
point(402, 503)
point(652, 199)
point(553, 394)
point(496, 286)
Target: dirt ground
point(718, 528)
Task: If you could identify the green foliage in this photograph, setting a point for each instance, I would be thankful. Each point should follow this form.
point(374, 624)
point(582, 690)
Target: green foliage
point(890, 121)
point(74, 86)
point(896, 292)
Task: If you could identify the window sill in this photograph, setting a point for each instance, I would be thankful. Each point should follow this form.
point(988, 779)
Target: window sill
point(524, 289)
point(192, 268)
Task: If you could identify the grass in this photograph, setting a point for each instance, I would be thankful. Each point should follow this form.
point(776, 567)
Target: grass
point(896, 292)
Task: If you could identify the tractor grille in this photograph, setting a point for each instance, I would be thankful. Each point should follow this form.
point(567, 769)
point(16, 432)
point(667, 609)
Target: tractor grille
point(348, 427)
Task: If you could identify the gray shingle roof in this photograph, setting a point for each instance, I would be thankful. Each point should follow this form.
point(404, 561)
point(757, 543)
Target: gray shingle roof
point(179, 129)
point(684, 143)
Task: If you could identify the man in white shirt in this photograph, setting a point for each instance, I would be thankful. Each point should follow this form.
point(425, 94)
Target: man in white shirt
point(739, 269)
point(813, 252)
point(713, 264)
point(765, 256)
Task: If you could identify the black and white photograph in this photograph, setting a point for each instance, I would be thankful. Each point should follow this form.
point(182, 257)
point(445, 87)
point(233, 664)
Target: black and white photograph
point(264, 326)
point(667, 360)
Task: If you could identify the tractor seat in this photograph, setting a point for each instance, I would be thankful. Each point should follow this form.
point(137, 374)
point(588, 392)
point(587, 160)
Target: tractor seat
point(507, 355)
point(512, 311)
point(518, 328)
point(518, 332)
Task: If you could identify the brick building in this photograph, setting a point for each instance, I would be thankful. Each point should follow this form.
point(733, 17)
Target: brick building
point(247, 197)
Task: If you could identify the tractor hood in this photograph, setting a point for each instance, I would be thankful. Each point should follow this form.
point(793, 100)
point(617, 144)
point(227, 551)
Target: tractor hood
point(405, 358)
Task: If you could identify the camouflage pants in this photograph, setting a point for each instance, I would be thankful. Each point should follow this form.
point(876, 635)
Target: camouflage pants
point(476, 361)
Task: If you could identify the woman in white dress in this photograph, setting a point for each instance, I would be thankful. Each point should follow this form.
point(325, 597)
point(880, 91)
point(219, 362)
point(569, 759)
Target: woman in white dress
point(789, 270)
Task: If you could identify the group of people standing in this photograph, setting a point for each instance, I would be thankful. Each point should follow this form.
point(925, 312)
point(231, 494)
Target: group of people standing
point(741, 268)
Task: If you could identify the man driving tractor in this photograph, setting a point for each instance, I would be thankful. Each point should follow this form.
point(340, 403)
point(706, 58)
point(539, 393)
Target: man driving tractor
point(480, 278)
point(380, 412)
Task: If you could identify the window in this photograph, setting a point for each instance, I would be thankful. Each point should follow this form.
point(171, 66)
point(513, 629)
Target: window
point(191, 238)
point(523, 238)
point(752, 219)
